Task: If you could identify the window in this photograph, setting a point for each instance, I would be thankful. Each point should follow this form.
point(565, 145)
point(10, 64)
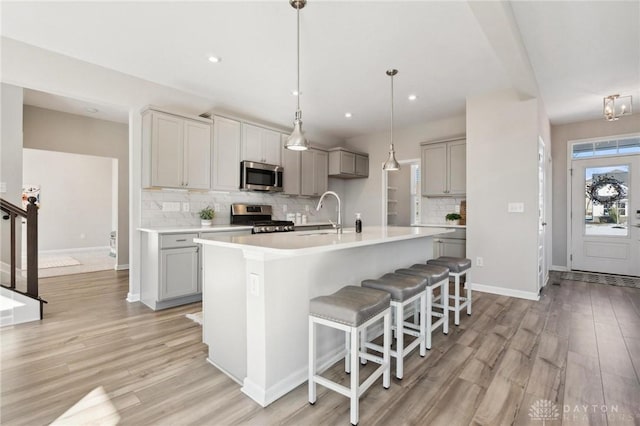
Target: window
point(623, 146)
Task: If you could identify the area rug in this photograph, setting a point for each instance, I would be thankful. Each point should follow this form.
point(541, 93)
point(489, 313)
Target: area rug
point(196, 317)
point(45, 262)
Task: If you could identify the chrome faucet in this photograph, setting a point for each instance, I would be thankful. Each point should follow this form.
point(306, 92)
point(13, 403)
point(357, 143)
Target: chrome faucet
point(338, 225)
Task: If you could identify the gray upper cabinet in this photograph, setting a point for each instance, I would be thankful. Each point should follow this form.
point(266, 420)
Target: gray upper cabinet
point(314, 172)
point(176, 151)
point(444, 168)
point(347, 164)
point(260, 145)
point(291, 165)
point(226, 154)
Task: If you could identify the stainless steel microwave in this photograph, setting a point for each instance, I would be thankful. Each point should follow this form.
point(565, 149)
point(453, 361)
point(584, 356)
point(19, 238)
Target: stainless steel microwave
point(260, 177)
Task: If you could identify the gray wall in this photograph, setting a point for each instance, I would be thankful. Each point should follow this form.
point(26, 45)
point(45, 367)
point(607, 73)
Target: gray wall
point(560, 135)
point(502, 146)
point(11, 164)
point(58, 131)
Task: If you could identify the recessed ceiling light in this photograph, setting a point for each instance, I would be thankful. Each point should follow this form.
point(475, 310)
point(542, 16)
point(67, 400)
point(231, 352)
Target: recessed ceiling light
point(347, 115)
point(214, 59)
point(295, 93)
point(91, 110)
point(413, 97)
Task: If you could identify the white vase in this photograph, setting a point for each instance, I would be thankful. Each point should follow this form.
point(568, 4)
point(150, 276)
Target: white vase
point(205, 222)
point(453, 222)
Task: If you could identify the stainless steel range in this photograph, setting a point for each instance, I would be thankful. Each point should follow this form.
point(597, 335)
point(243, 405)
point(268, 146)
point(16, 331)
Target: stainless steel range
point(260, 217)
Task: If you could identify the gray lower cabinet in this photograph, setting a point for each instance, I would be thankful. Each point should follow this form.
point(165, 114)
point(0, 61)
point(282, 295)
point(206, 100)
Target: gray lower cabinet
point(452, 244)
point(170, 273)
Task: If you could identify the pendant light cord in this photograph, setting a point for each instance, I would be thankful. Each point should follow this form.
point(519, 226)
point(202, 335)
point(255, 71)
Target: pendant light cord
point(298, 47)
point(392, 112)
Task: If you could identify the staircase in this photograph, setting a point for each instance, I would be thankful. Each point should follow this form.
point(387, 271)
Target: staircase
point(19, 298)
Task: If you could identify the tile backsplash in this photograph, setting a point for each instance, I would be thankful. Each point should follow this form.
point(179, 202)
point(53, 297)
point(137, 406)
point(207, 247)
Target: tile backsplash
point(153, 215)
point(434, 210)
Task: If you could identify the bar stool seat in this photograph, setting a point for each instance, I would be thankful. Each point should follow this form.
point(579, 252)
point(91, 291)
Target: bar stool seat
point(437, 277)
point(458, 267)
point(351, 309)
point(404, 290)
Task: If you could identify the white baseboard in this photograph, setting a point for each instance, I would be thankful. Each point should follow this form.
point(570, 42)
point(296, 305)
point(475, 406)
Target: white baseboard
point(265, 397)
point(224, 371)
point(122, 267)
point(559, 268)
point(72, 250)
point(505, 291)
point(133, 297)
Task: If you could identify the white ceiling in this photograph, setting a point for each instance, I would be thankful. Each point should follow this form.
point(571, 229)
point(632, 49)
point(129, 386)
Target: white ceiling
point(579, 51)
point(75, 106)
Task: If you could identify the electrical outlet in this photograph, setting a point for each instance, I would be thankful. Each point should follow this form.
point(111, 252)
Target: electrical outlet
point(479, 261)
point(82, 236)
point(457, 209)
point(170, 207)
point(306, 207)
point(185, 207)
point(284, 208)
point(217, 207)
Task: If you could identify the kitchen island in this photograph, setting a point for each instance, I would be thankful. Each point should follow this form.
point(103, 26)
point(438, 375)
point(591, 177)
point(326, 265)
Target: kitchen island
point(256, 292)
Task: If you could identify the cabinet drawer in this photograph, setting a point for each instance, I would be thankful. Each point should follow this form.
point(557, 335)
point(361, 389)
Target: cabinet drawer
point(177, 240)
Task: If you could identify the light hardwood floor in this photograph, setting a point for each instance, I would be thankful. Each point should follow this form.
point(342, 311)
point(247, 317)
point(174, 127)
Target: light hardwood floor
point(579, 347)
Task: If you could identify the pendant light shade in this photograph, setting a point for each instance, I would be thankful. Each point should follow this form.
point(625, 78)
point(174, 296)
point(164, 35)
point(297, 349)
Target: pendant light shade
point(296, 141)
point(391, 164)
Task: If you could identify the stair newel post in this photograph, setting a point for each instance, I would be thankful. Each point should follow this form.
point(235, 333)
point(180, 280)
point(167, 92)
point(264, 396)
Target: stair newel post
point(32, 247)
point(13, 249)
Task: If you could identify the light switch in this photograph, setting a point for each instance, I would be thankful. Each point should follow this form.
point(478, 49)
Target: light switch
point(515, 207)
point(185, 207)
point(254, 284)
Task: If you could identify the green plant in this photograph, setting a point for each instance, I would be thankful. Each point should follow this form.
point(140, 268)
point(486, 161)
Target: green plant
point(207, 213)
point(453, 216)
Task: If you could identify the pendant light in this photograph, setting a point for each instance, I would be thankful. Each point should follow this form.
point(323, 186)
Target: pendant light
point(391, 164)
point(296, 141)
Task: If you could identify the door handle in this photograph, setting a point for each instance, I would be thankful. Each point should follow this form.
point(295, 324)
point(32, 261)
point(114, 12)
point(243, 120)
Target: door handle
point(544, 223)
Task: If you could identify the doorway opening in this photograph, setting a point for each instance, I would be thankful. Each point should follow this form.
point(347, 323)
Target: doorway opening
point(401, 195)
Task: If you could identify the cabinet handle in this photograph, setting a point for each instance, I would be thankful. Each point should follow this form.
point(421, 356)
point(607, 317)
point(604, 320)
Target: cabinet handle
point(184, 239)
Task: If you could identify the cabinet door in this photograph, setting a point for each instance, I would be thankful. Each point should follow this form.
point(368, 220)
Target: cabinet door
point(453, 248)
point(197, 155)
point(362, 165)
point(291, 165)
point(307, 172)
point(167, 151)
point(457, 153)
point(252, 143)
point(321, 172)
point(226, 154)
point(271, 147)
point(434, 169)
point(178, 272)
point(347, 163)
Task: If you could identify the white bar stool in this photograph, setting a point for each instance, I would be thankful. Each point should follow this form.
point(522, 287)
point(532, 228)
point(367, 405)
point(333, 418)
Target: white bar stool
point(351, 309)
point(437, 277)
point(458, 266)
point(404, 290)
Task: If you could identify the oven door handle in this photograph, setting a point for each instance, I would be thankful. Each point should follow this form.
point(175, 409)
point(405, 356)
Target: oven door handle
point(276, 179)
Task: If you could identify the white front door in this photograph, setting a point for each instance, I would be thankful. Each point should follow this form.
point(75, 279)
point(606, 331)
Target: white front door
point(605, 223)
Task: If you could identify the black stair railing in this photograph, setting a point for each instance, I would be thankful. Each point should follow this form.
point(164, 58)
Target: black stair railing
point(12, 212)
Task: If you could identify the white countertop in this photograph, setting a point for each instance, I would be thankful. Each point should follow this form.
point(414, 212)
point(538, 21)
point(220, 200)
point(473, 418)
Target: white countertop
point(438, 225)
point(309, 224)
point(193, 228)
point(307, 242)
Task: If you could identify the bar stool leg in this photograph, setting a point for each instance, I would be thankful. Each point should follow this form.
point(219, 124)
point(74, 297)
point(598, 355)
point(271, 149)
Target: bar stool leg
point(429, 319)
point(444, 290)
point(468, 287)
point(456, 301)
point(312, 361)
point(355, 380)
point(363, 344)
point(425, 323)
point(386, 351)
point(347, 346)
point(399, 340)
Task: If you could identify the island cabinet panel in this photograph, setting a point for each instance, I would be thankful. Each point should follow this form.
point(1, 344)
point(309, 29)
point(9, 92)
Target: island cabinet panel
point(226, 154)
point(444, 168)
point(260, 145)
point(314, 172)
point(452, 244)
point(347, 164)
point(291, 165)
point(176, 151)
